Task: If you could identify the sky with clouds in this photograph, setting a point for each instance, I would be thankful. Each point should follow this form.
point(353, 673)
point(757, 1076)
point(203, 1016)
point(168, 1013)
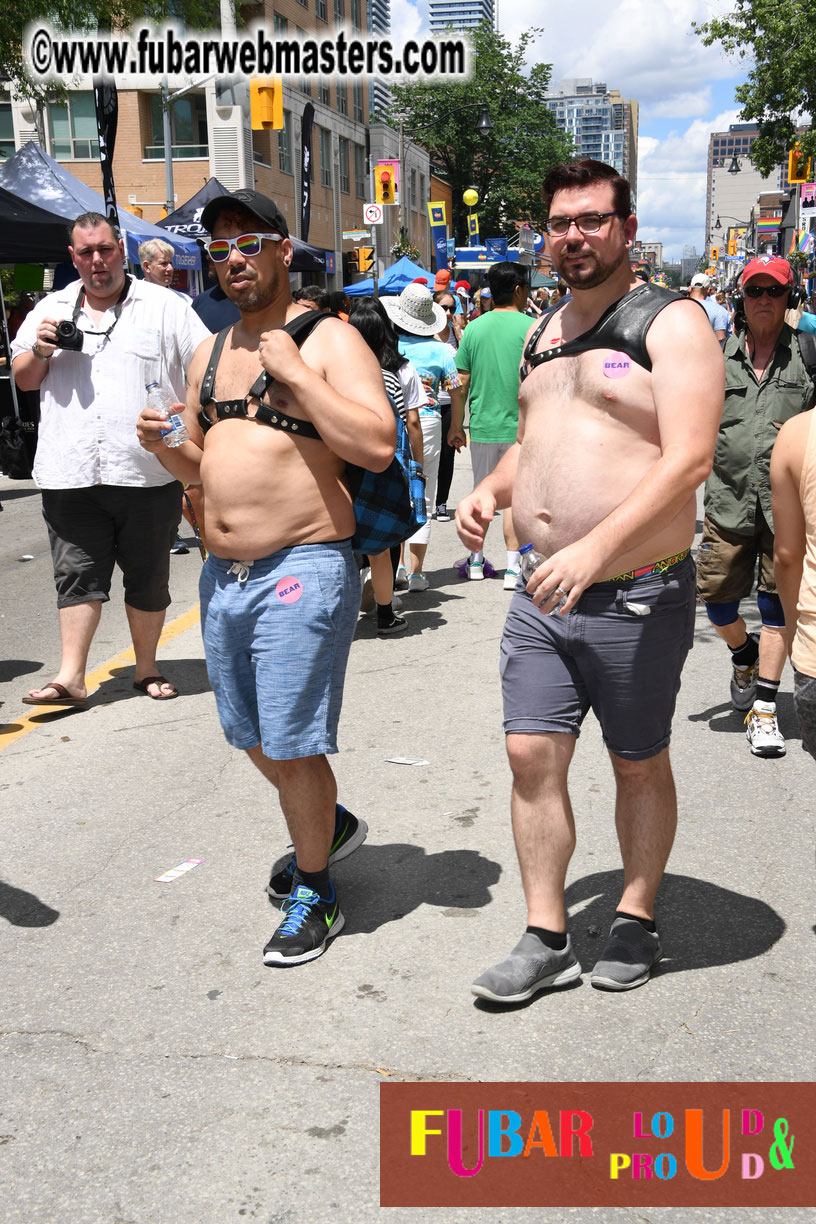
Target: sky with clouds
point(649, 52)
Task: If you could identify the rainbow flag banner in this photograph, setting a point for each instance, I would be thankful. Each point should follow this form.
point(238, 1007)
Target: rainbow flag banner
point(805, 241)
point(767, 226)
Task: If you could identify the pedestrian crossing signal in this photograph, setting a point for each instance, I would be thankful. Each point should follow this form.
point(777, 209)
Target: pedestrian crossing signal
point(384, 185)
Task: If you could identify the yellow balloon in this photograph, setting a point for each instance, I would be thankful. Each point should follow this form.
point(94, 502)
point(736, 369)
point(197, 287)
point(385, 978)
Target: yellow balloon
point(470, 197)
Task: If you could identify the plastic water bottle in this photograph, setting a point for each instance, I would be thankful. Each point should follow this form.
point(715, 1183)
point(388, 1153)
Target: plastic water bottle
point(162, 400)
point(530, 561)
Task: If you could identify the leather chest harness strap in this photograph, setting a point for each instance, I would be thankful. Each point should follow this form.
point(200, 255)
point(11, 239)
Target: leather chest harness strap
point(298, 328)
point(622, 328)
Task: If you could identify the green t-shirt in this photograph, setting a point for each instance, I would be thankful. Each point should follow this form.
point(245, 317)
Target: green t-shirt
point(490, 350)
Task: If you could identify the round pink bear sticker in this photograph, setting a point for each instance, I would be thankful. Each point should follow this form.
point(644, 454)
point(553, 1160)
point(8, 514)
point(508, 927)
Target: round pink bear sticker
point(616, 365)
point(289, 590)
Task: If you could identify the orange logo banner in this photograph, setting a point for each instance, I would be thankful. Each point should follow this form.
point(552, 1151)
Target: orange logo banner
point(598, 1145)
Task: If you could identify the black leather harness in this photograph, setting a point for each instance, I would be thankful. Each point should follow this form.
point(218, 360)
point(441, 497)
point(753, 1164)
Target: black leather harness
point(622, 328)
point(238, 409)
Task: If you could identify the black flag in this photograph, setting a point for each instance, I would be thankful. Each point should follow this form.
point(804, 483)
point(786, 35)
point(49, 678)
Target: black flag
point(107, 112)
point(306, 171)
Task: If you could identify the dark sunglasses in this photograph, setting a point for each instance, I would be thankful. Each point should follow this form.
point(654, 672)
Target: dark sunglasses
point(774, 291)
point(449, 309)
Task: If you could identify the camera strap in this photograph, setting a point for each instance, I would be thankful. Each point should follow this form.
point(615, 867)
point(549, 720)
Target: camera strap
point(117, 310)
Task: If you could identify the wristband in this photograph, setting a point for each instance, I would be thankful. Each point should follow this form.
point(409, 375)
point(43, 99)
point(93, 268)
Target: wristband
point(41, 356)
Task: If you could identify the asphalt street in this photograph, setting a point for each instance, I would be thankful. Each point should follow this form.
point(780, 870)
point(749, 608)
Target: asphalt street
point(155, 1072)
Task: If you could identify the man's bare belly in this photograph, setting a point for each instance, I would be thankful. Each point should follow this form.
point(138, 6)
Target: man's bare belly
point(265, 490)
point(588, 442)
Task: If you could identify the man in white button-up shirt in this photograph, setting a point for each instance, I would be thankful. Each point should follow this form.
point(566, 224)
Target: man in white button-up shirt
point(106, 501)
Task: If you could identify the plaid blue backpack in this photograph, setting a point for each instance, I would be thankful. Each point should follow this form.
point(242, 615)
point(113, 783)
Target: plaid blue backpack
point(390, 505)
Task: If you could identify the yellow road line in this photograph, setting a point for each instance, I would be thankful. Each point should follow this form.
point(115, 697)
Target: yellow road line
point(11, 732)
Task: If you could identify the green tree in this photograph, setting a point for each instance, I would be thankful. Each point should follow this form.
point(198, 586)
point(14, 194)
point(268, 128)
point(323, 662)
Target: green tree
point(779, 93)
point(507, 166)
point(86, 15)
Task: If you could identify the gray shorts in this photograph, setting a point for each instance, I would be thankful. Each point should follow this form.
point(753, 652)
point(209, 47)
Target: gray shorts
point(484, 456)
point(804, 701)
point(603, 656)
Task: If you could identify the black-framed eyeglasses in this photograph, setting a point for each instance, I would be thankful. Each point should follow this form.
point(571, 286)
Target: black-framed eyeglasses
point(246, 244)
point(774, 291)
point(587, 223)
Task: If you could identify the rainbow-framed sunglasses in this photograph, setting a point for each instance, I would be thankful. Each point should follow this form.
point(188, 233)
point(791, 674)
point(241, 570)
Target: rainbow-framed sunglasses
point(246, 244)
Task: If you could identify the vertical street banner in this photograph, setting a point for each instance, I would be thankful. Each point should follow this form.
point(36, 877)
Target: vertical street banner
point(473, 229)
point(306, 170)
point(106, 103)
point(439, 233)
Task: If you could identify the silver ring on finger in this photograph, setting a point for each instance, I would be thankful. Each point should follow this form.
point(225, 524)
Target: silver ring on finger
point(560, 591)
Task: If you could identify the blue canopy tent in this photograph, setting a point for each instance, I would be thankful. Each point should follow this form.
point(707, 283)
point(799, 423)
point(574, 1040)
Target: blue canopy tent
point(34, 176)
point(393, 280)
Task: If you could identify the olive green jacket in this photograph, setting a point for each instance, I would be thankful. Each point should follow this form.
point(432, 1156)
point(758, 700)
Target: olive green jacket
point(752, 414)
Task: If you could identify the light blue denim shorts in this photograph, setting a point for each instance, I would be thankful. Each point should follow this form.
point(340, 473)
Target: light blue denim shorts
point(277, 635)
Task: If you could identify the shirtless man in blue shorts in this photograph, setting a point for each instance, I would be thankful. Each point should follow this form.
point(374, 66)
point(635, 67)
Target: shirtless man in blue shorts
point(280, 591)
point(618, 419)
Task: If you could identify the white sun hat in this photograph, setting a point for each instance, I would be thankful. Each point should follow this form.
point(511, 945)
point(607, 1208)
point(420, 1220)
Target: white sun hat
point(415, 311)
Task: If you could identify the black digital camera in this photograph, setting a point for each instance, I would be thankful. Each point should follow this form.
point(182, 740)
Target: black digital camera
point(69, 336)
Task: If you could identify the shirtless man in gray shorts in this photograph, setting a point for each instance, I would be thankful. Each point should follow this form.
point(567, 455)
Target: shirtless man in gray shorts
point(617, 424)
point(280, 592)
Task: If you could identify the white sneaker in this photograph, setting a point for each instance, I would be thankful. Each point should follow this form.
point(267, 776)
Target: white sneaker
point(510, 579)
point(401, 579)
point(763, 733)
point(417, 582)
point(367, 594)
point(475, 570)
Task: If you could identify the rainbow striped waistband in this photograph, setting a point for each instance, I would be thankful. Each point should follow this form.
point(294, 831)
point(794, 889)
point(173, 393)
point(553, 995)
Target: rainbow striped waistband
point(646, 571)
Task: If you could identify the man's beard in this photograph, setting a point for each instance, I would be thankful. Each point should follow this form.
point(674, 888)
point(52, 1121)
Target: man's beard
point(595, 272)
point(252, 298)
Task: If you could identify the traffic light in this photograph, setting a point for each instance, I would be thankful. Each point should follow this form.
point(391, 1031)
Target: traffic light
point(365, 258)
point(732, 246)
point(714, 254)
point(352, 259)
point(384, 184)
point(266, 104)
point(798, 165)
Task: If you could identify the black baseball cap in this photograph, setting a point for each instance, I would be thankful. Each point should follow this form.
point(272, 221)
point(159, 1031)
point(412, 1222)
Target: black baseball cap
point(265, 210)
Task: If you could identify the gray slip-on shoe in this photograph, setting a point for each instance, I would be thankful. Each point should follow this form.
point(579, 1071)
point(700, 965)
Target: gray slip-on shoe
point(628, 958)
point(530, 967)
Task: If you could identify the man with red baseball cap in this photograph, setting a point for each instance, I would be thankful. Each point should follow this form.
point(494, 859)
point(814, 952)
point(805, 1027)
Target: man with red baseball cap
point(767, 382)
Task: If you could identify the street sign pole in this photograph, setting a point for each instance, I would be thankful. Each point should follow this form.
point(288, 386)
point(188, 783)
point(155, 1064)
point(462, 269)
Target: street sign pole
point(374, 238)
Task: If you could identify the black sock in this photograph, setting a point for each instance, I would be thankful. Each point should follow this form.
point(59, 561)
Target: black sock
point(318, 881)
point(648, 923)
point(557, 940)
point(767, 690)
point(746, 654)
point(385, 613)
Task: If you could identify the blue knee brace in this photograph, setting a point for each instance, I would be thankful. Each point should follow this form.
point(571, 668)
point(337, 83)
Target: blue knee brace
point(723, 613)
point(770, 610)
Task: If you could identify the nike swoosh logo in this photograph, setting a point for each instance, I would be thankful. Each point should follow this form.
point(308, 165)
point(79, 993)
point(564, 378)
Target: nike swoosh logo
point(330, 919)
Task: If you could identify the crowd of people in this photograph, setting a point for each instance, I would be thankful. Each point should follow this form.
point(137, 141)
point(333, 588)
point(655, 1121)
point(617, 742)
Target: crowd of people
point(585, 430)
